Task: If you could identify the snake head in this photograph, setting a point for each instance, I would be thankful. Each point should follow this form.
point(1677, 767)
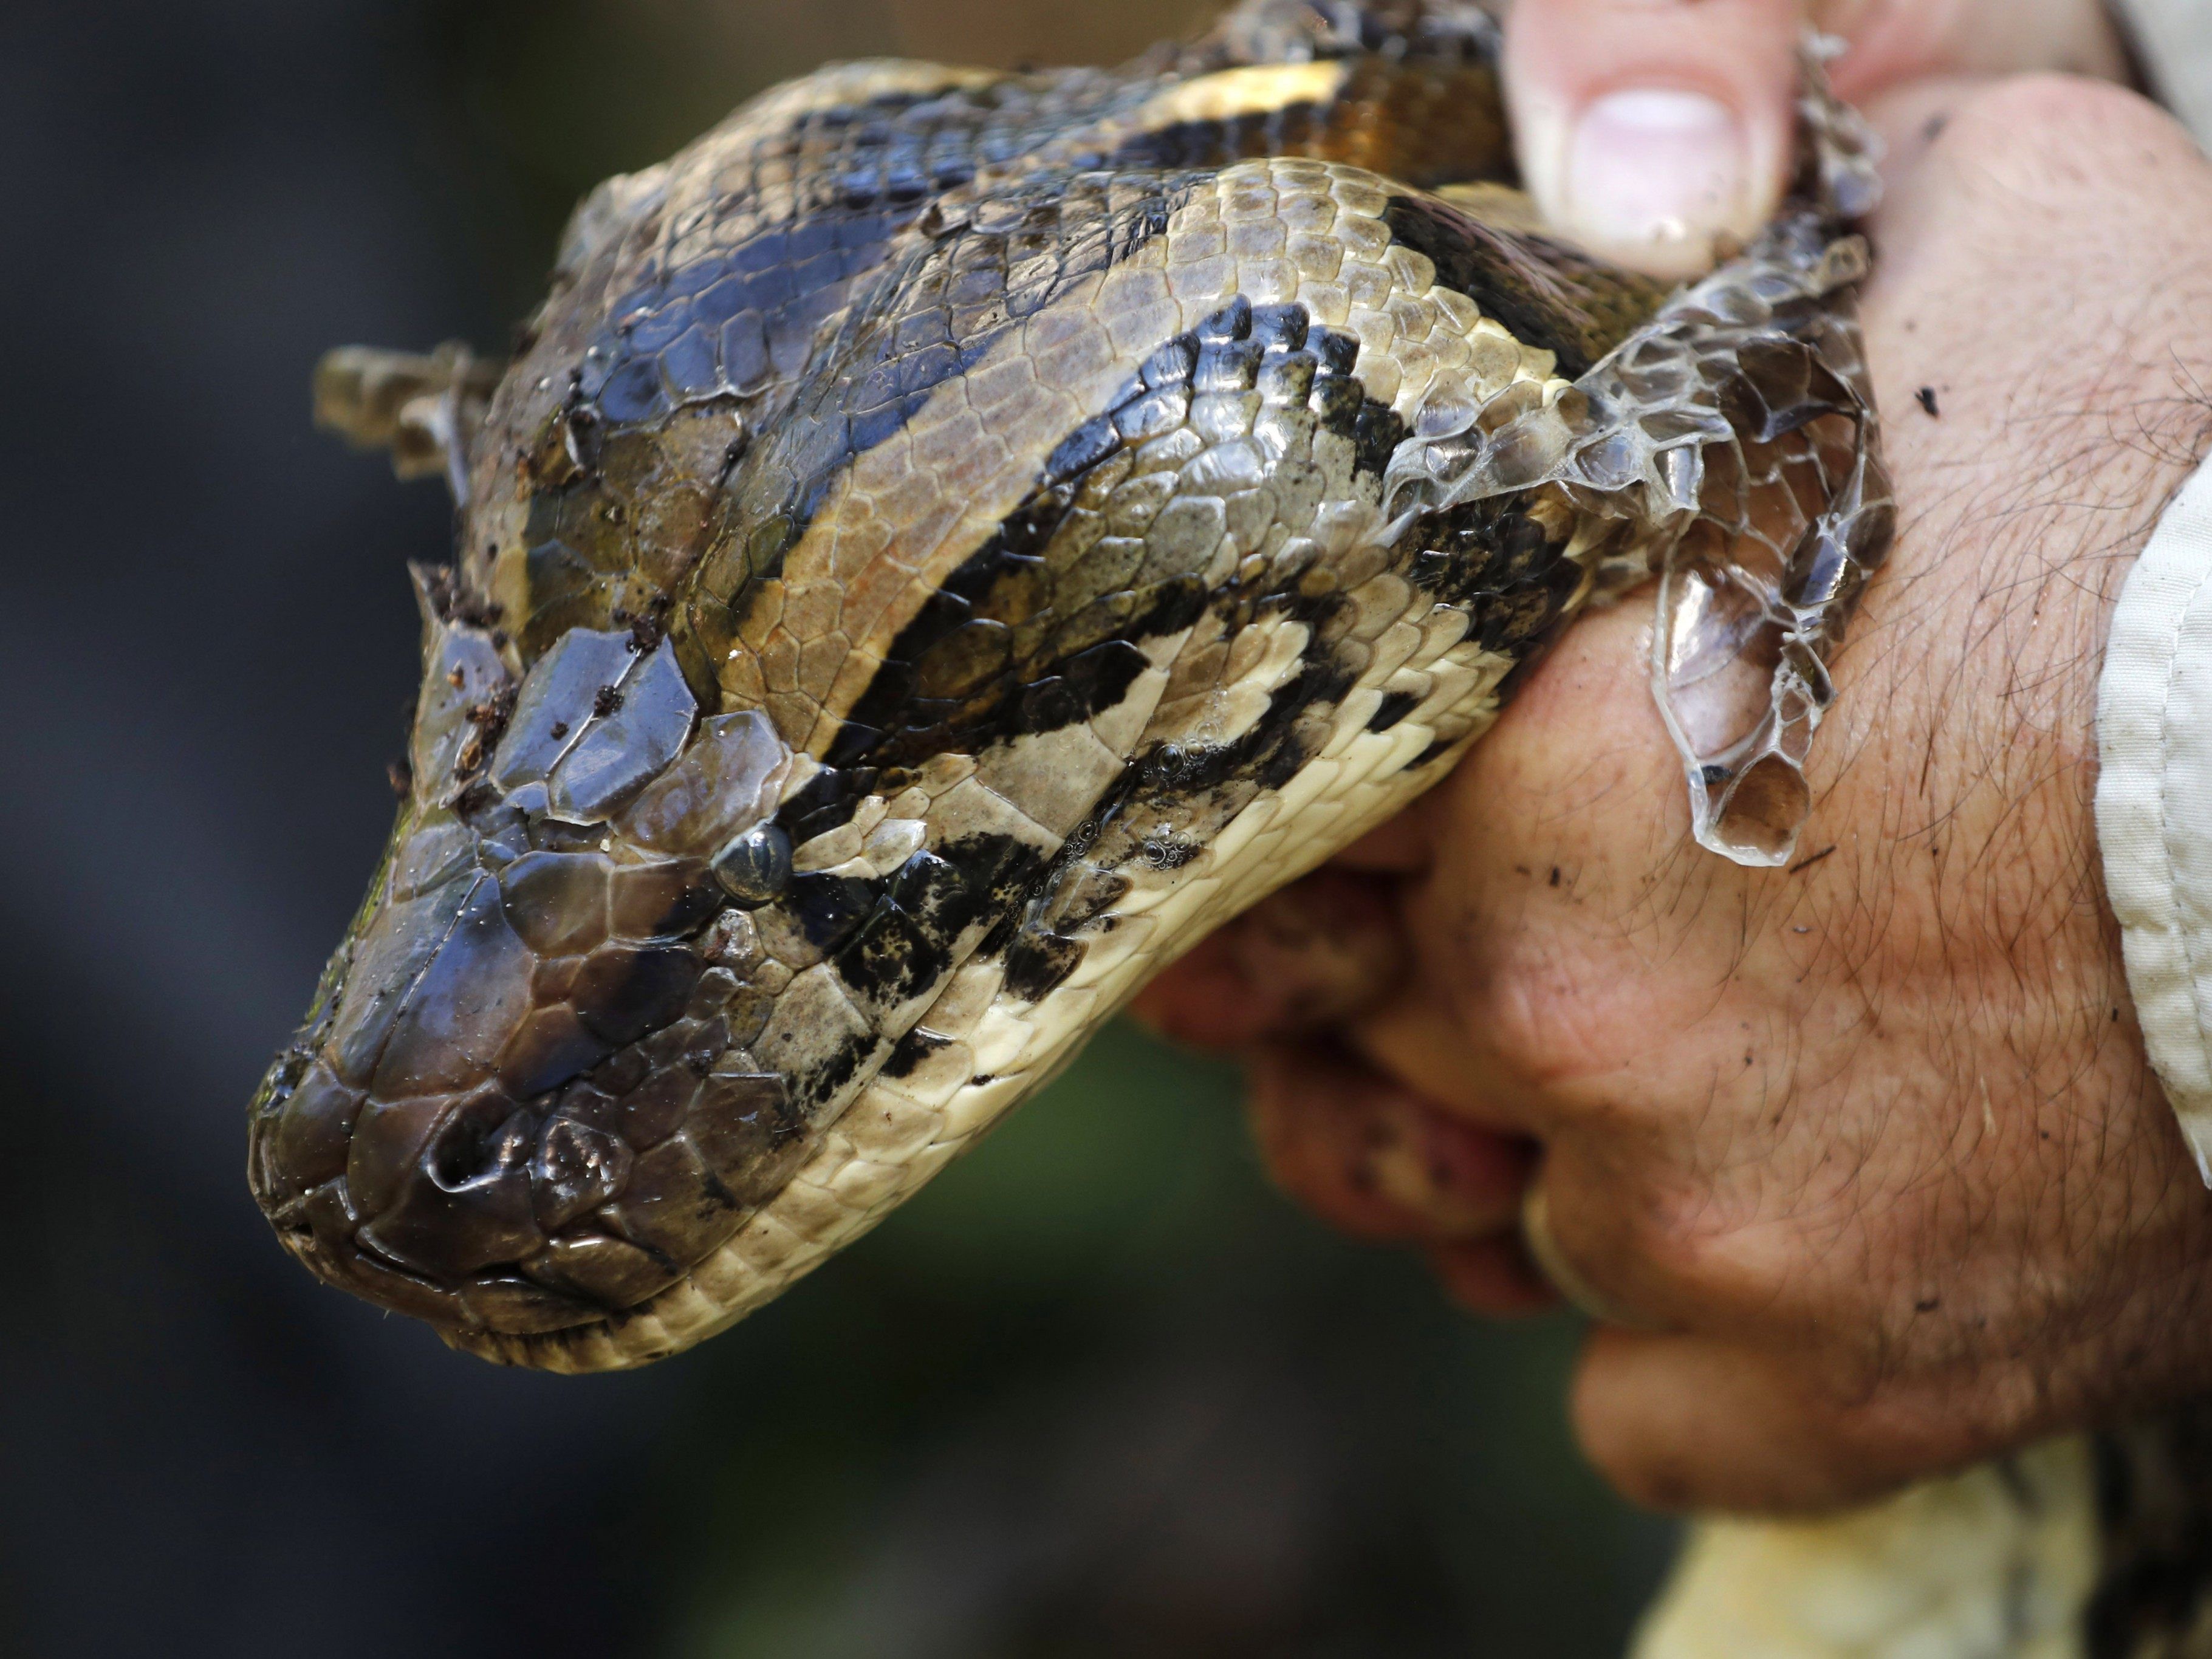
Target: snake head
point(524, 1100)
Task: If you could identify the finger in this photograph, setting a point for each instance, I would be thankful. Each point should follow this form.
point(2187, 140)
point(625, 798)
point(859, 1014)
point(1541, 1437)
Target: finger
point(1404, 846)
point(1418, 1042)
point(1891, 42)
point(1566, 934)
point(1375, 1161)
point(1205, 1001)
point(1651, 130)
point(1308, 959)
point(1492, 1277)
point(1689, 1423)
point(1642, 1224)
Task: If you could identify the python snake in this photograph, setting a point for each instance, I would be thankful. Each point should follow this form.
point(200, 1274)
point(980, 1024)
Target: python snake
point(950, 540)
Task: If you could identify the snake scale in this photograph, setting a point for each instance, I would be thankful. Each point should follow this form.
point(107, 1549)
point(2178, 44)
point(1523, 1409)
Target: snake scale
point(950, 540)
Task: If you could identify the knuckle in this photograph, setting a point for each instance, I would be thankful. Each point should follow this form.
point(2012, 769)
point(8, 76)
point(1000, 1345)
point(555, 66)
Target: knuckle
point(1542, 1009)
point(1682, 1237)
point(1675, 1234)
point(1707, 1253)
point(2054, 137)
point(1618, 1444)
point(1897, 1435)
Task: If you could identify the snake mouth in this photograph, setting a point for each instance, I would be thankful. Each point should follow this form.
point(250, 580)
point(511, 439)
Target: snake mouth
point(526, 1099)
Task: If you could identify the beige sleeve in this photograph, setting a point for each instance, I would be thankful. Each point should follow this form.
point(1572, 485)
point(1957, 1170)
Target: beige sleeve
point(2154, 800)
point(2154, 702)
point(2174, 40)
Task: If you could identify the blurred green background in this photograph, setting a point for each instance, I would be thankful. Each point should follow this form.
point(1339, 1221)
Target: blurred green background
point(1097, 1392)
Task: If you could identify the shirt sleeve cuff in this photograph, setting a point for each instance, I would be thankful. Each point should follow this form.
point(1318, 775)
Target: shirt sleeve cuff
point(2155, 800)
point(2174, 42)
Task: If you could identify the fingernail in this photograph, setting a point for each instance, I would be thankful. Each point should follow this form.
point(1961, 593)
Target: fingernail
point(1652, 167)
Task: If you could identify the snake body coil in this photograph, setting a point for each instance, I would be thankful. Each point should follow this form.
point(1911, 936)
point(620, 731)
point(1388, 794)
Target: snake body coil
point(950, 540)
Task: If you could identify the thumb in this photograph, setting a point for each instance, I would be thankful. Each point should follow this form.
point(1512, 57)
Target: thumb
point(1651, 129)
point(1691, 1423)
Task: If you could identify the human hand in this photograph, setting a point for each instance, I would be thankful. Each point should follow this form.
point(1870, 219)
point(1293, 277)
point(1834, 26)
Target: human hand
point(1649, 128)
point(1870, 1144)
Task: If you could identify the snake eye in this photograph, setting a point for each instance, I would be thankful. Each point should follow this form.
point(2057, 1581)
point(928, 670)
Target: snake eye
point(754, 869)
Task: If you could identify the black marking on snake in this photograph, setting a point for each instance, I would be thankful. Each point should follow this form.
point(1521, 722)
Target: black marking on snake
point(830, 909)
point(827, 1077)
point(1394, 708)
point(1430, 755)
point(892, 959)
point(1285, 131)
point(936, 313)
point(726, 320)
point(1488, 556)
point(1492, 560)
point(827, 801)
point(1525, 282)
point(738, 333)
point(912, 1049)
point(1203, 783)
point(955, 678)
point(1040, 964)
point(908, 942)
point(911, 939)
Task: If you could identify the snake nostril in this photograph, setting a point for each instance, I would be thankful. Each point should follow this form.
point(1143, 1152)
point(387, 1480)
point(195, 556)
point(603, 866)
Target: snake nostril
point(465, 1206)
point(464, 1156)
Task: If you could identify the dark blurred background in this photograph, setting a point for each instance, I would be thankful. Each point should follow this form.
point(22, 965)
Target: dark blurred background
point(1097, 1393)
